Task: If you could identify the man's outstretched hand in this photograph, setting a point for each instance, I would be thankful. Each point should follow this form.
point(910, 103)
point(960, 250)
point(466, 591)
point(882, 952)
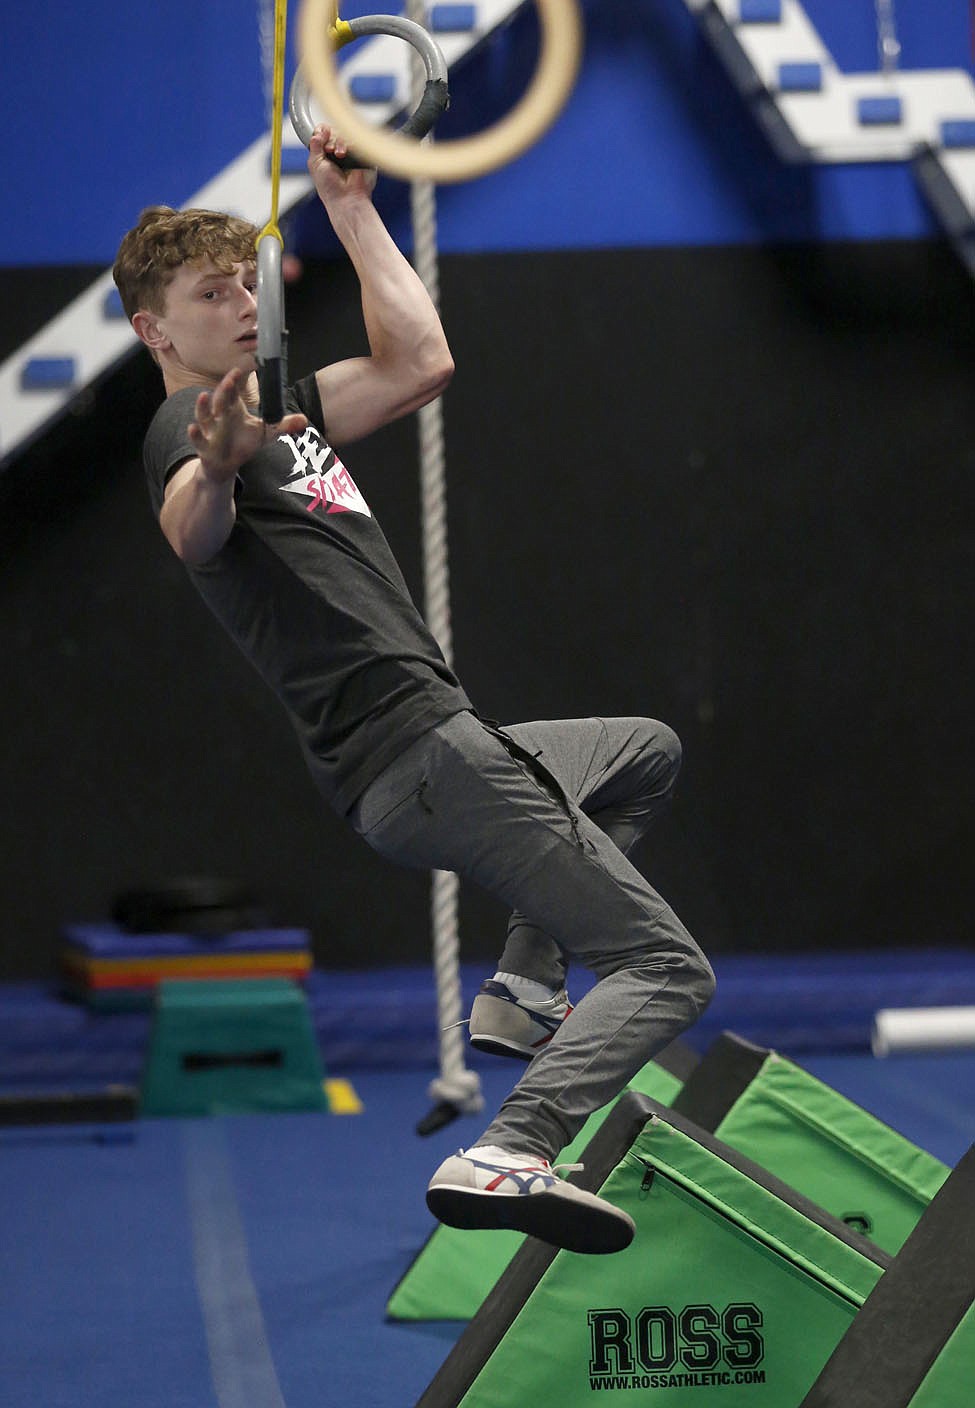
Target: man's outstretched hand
point(225, 434)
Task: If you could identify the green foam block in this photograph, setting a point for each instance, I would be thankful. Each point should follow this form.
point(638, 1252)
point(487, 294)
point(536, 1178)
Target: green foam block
point(734, 1291)
point(232, 1047)
point(812, 1137)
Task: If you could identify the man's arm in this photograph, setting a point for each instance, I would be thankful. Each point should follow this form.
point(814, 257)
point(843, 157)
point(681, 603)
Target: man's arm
point(198, 510)
point(409, 362)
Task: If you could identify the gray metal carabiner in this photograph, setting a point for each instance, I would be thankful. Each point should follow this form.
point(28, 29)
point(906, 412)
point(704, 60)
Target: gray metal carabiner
point(435, 96)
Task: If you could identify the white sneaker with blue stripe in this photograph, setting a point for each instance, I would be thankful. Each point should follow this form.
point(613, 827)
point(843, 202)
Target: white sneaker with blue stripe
point(485, 1187)
point(508, 1024)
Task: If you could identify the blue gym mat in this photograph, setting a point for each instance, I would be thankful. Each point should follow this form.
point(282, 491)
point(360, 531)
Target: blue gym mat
point(245, 1262)
point(380, 1019)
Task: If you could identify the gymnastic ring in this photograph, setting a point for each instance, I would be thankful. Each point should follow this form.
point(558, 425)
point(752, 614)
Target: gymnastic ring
point(470, 157)
point(272, 336)
point(433, 100)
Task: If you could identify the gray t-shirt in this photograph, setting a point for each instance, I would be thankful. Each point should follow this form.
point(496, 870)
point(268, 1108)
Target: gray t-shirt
point(308, 587)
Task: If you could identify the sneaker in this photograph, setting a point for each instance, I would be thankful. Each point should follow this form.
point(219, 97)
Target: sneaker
point(485, 1187)
point(509, 1025)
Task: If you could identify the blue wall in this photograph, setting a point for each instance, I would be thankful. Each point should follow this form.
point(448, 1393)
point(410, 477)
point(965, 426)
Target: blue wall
point(106, 115)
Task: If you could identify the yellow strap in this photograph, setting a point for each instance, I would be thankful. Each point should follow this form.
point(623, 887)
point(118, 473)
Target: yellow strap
point(277, 102)
point(340, 32)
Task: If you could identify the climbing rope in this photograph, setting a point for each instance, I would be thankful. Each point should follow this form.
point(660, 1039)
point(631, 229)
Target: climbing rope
point(456, 1090)
point(888, 44)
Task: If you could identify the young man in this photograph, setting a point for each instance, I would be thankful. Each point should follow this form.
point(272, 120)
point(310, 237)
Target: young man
point(282, 546)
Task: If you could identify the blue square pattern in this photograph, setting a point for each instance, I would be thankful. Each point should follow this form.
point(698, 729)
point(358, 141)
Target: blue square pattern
point(294, 161)
point(760, 11)
point(452, 19)
point(373, 87)
point(958, 132)
point(112, 305)
point(48, 373)
point(885, 110)
point(805, 77)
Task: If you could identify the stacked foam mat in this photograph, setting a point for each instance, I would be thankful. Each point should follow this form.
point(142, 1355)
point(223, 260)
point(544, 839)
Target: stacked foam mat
point(112, 968)
point(791, 1251)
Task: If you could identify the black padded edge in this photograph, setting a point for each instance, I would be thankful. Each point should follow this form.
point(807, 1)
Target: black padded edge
point(725, 1071)
point(914, 1309)
point(112, 1106)
point(678, 1059)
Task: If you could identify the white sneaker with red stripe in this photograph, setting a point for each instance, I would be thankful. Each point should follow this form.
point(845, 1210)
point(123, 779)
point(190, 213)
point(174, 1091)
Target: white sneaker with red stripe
point(487, 1187)
point(508, 1024)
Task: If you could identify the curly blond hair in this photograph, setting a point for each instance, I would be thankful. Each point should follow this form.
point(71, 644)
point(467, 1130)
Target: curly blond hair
point(164, 240)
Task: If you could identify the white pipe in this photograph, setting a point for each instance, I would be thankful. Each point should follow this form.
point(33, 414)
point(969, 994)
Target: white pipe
point(922, 1029)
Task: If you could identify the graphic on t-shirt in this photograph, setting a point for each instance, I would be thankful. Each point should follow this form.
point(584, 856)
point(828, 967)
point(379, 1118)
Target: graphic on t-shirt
point(332, 489)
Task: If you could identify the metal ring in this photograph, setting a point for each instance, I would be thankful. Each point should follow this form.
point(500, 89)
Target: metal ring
point(435, 95)
point(558, 65)
point(272, 337)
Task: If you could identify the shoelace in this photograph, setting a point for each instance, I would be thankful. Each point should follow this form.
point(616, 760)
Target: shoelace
point(554, 1168)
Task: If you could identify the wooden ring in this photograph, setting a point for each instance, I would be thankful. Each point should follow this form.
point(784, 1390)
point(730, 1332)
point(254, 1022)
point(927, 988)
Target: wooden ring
point(469, 157)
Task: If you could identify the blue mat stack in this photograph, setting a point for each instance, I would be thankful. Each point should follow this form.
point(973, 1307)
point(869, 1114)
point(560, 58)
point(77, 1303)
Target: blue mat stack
point(109, 968)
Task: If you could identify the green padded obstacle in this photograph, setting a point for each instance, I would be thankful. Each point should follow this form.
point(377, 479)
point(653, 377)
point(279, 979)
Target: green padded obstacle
point(948, 1382)
point(454, 1270)
point(733, 1293)
point(844, 1159)
point(230, 1048)
point(913, 1343)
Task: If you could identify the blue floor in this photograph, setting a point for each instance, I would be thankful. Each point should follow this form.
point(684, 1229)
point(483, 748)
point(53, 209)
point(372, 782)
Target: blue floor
point(384, 1019)
point(245, 1262)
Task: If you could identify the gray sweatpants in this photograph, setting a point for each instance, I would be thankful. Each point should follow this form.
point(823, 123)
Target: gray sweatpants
point(542, 815)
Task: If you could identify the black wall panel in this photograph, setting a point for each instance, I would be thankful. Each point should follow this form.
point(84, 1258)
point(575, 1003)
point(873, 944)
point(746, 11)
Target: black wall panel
point(727, 487)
